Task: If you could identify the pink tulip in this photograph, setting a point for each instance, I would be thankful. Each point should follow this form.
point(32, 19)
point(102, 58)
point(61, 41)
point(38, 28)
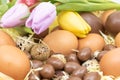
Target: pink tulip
point(27, 2)
point(15, 16)
point(41, 17)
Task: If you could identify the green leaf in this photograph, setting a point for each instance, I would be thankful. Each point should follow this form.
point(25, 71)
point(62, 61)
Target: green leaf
point(44, 0)
point(10, 4)
point(71, 1)
point(3, 9)
point(81, 1)
point(23, 30)
point(3, 2)
point(28, 30)
point(99, 1)
point(90, 6)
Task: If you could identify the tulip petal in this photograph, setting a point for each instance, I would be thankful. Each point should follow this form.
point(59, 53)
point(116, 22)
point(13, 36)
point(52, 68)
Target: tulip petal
point(44, 24)
point(13, 17)
point(41, 17)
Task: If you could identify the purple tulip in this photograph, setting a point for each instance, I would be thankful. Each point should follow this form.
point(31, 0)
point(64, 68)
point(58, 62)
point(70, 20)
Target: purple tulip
point(41, 17)
point(15, 16)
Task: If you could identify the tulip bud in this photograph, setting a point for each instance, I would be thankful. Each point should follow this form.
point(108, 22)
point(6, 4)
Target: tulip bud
point(41, 17)
point(27, 2)
point(15, 16)
point(73, 22)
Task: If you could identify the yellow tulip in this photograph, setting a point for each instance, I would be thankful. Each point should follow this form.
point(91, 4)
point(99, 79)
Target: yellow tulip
point(72, 21)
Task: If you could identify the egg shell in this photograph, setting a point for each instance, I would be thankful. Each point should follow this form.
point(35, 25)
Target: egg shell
point(110, 63)
point(93, 41)
point(5, 77)
point(105, 15)
point(14, 62)
point(61, 41)
point(6, 39)
point(117, 40)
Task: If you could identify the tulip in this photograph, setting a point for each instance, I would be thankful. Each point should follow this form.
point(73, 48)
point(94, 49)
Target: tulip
point(41, 17)
point(15, 16)
point(73, 22)
point(27, 2)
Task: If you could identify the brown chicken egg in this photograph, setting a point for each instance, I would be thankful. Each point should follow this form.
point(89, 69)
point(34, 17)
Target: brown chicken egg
point(110, 63)
point(6, 39)
point(93, 41)
point(117, 40)
point(14, 62)
point(61, 41)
